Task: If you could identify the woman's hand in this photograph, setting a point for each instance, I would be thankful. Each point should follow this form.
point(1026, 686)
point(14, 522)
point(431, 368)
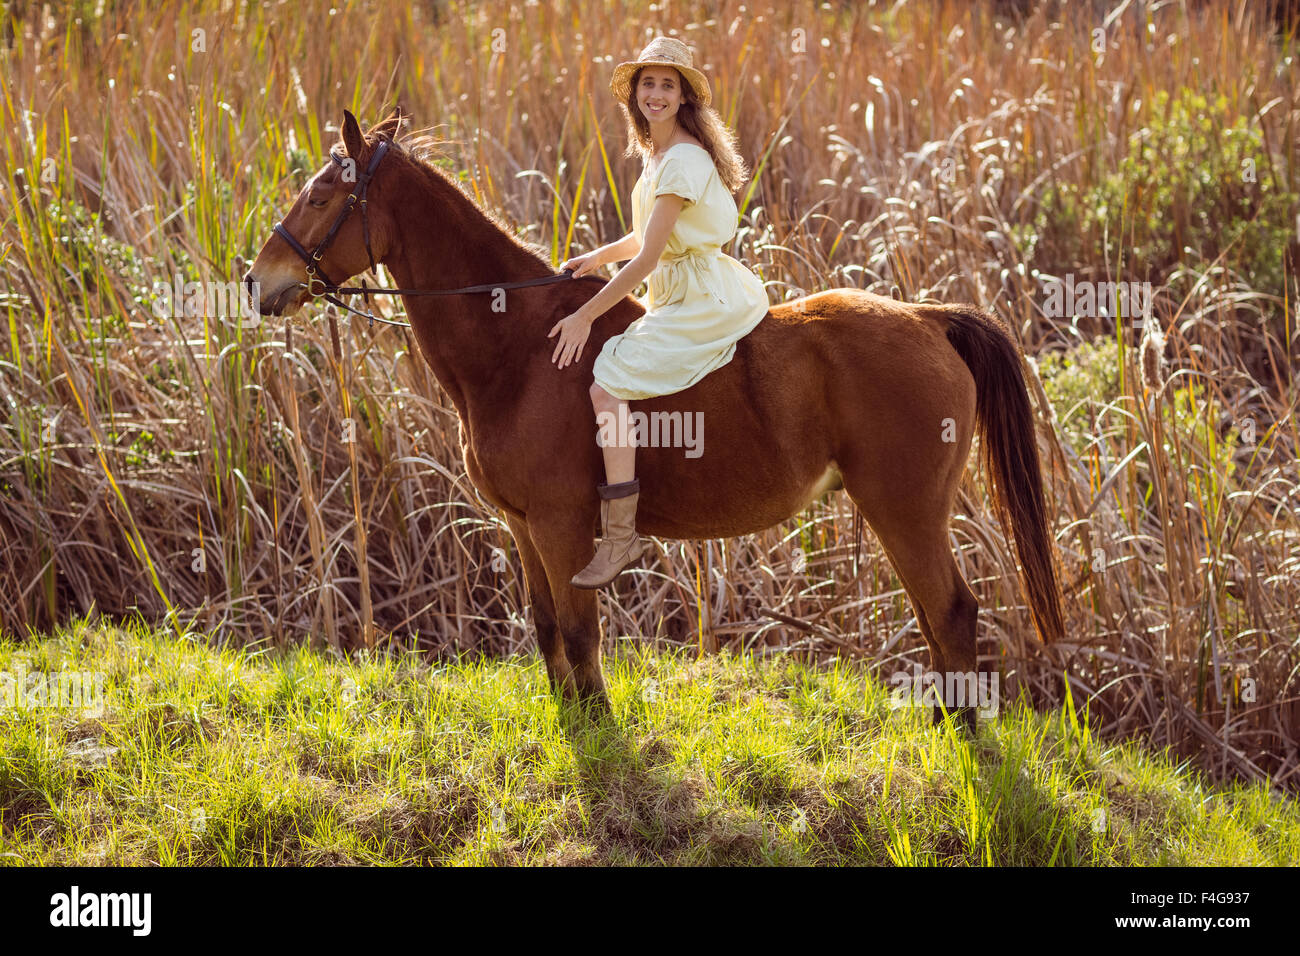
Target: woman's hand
point(581, 265)
point(573, 330)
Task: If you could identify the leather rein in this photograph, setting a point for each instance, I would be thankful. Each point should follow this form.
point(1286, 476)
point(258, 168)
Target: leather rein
point(320, 285)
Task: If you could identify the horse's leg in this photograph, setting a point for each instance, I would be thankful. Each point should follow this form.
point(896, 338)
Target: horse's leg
point(564, 542)
point(922, 622)
point(950, 610)
point(917, 546)
point(938, 663)
point(545, 621)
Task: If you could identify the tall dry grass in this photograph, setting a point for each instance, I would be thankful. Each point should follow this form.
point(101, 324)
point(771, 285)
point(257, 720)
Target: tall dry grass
point(926, 150)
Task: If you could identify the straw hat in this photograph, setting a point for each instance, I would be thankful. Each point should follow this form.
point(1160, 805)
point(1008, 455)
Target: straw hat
point(661, 51)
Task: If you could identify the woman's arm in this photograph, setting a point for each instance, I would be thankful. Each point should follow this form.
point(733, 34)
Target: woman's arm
point(663, 216)
point(574, 329)
point(621, 249)
point(616, 251)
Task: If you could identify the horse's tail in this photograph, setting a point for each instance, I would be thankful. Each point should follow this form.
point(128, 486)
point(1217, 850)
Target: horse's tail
point(1009, 450)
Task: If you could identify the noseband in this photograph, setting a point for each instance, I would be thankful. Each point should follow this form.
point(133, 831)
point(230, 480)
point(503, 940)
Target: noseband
point(321, 285)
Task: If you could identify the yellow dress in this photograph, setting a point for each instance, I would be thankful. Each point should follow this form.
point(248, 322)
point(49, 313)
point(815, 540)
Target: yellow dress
point(699, 300)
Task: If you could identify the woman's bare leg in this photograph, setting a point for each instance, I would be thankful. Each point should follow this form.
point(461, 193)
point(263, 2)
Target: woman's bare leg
point(619, 545)
point(620, 456)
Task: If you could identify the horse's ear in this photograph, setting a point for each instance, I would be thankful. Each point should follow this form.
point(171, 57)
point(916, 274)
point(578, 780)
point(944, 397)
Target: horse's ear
point(353, 141)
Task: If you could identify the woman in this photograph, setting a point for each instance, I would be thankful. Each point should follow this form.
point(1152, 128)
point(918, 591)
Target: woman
point(700, 301)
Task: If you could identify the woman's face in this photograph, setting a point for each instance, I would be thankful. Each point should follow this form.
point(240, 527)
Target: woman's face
point(659, 94)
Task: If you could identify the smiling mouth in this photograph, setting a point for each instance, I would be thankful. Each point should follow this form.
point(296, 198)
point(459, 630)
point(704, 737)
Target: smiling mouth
point(655, 109)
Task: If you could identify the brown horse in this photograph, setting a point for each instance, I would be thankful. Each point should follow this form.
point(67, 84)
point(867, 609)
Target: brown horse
point(841, 389)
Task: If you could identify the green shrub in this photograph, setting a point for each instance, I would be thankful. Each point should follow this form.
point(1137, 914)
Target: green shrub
point(1181, 196)
point(1079, 383)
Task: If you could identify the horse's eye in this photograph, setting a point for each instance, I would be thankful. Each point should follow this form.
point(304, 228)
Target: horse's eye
point(317, 203)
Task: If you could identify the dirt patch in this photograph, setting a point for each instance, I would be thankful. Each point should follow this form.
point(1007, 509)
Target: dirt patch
point(430, 827)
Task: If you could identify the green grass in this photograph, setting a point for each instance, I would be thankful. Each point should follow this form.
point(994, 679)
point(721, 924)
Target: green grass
point(204, 755)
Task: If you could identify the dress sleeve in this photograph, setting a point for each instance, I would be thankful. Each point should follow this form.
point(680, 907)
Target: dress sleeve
point(682, 177)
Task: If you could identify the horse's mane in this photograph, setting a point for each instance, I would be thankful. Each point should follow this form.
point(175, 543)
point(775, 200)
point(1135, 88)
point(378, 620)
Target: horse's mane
point(423, 151)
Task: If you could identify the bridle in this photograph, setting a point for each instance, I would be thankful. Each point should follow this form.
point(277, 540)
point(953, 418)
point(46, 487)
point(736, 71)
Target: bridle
point(320, 285)
point(315, 274)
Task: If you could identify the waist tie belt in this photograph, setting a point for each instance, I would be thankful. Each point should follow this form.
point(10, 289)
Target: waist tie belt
point(670, 280)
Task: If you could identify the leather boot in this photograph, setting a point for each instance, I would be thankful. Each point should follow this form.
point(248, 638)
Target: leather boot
point(619, 545)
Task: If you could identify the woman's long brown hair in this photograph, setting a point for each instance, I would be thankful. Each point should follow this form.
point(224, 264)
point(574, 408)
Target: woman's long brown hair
point(702, 122)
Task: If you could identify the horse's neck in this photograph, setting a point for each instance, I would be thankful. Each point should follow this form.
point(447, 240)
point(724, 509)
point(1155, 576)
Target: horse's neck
point(445, 242)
